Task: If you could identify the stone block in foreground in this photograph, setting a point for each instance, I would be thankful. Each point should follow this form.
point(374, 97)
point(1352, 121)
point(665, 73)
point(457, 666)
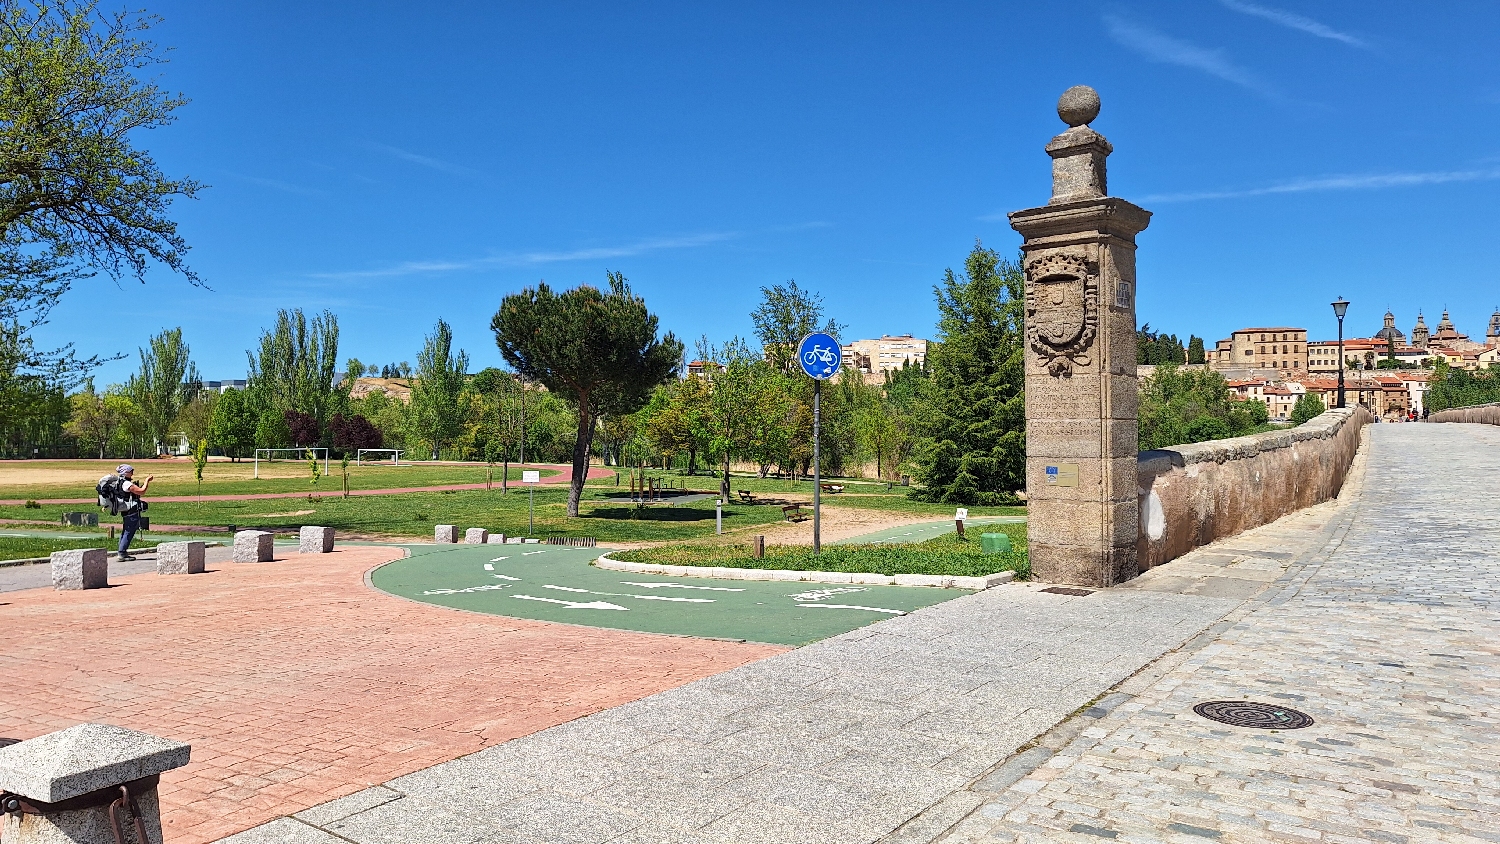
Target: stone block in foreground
point(179, 558)
point(79, 762)
point(315, 540)
point(254, 546)
point(495, 539)
point(444, 534)
point(85, 568)
point(476, 536)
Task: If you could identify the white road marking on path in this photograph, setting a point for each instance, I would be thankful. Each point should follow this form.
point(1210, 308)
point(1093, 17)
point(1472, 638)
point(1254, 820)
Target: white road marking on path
point(529, 553)
point(853, 607)
point(564, 588)
point(661, 598)
point(489, 566)
point(498, 559)
point(485, 588)
point(680, 586)
point(820, 594)
point(505, 577)
point(576, 605)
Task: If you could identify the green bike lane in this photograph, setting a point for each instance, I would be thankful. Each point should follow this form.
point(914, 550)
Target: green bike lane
point(557, 583)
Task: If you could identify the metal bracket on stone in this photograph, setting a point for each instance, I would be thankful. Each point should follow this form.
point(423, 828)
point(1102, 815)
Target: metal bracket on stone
point(77, 784)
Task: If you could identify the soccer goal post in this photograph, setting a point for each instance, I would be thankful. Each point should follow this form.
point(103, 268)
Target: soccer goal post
point(297, 454)
point(359, 455)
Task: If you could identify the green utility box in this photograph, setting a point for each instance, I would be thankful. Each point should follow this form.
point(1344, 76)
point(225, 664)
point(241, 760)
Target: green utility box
point(994, 543)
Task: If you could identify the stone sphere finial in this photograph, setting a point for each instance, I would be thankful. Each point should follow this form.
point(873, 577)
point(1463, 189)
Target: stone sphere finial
point(1078, 105)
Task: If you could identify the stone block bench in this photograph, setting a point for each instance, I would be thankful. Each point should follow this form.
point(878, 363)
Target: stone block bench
point(179, 558)
point(254, 546)
point(476, 536)
point(85, 568)
point(444, 534)
point(315, 540)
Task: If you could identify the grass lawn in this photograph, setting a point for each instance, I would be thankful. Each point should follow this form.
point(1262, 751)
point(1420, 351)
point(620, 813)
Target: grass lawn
point(27, 547)
point(414, 514)
point(39, 479)
point(945, 555)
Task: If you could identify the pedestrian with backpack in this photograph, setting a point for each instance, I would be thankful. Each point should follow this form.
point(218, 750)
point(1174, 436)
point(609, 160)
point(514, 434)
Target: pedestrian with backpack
point(122, 496)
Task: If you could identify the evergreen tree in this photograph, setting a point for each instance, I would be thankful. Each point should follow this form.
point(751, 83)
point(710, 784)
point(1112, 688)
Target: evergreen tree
point(1195, 353)
point(973, 419)
point(598, 350)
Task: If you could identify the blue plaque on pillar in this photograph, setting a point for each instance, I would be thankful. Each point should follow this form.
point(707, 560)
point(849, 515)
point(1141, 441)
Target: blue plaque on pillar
point(820, 356)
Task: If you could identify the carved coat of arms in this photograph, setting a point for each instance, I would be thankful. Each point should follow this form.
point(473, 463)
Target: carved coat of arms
point(1062, 309)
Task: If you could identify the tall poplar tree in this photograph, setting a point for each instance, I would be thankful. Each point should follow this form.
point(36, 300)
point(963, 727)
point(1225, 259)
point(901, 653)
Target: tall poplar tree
point(435, 397)
point(167, 380)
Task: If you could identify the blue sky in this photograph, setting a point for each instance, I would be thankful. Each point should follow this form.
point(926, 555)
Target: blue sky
point(398, 163)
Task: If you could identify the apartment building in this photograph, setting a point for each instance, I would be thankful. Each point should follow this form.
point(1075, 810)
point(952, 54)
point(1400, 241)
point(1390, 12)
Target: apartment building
point(1279, 348)
point(884, 354)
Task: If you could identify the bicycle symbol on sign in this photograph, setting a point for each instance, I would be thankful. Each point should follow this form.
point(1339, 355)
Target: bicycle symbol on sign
point(818, 354)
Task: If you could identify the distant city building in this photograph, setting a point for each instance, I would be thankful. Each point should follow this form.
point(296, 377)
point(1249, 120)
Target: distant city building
point(704, 367)
point(221, 386)
point(886, 354)
point(1419, 333)
point(1449, 337)
point(1492, 335)
point(1263, 348)
point(1390, 331)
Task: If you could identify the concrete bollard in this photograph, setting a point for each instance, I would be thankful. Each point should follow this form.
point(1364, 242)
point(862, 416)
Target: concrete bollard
point(315, 540)
point(254, 546)
point(444, 534)
point(179, 558)
point(496, 539)
point(86, 568)
point(476, 536)
point(88, 784)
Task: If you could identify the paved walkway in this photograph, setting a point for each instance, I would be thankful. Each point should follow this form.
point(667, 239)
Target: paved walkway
point(1390, 639)
point(295, 683)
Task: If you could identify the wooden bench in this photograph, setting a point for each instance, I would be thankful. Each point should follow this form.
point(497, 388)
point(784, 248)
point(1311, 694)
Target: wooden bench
point(747, 496)
point(832, 487)
point(794, 512)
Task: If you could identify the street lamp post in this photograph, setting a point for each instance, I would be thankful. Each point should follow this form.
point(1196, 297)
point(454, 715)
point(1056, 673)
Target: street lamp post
point(1340, 307)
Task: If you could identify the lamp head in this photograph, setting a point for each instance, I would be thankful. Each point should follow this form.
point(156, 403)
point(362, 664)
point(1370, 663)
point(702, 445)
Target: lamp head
point(1340, 307)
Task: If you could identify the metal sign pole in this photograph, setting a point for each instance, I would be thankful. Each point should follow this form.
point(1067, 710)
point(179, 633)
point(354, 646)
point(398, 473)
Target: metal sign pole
point(531, 511)
point(817, 471)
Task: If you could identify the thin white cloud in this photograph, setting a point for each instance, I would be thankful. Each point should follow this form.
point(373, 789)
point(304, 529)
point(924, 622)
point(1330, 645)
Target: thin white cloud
point(1371, 181)
point(1160, 47)
point(521, 259)
point(276, 184)
point(426, 161)
point(1291, 20)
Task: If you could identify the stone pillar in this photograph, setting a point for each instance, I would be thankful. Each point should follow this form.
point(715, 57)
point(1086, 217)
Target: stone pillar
point(86, 568)
point(254, 546)
point(444, 534)
point(315, 540)
point(58, 788)
point(476, 536)
point(179, 558)
point(1081, 399)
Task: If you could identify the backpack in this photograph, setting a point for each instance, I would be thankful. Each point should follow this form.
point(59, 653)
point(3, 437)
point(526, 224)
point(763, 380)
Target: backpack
point(113, 497)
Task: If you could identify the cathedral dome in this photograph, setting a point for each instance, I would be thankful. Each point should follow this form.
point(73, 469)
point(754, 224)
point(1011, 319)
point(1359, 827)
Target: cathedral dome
point(1390, 331)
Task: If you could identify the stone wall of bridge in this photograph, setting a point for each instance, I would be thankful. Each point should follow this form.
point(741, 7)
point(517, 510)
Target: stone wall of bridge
point(1485, 414)
point(1195, 494)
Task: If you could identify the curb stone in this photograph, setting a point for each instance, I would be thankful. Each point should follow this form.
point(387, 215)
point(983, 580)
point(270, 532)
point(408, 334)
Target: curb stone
point(938, 580)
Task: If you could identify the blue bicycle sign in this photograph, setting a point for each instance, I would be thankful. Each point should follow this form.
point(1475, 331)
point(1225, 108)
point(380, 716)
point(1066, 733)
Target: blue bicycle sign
point(819, 355)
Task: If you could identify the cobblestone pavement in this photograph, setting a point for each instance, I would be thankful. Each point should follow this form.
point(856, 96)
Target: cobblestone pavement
point(296, 683)
point(1389, 638)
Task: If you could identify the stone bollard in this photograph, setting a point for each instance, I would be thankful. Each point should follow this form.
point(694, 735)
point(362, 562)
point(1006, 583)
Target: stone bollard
point(254, 546)
point(179, 558)
point(86, 568)
point(476, 536)
point(444, 534)
point(496, 539)
point(88, 784)
point(315, 540)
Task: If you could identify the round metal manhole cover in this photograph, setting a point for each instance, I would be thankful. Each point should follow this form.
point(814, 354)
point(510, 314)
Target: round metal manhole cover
point(1248, 713)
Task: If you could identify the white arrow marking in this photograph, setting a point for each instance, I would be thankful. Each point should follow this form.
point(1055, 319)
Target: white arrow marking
point(565, 588)
point(505, 577)
point(489, 566)
point(853, 607)
point(665, 598)
point(529, 553)
point(576, 605)
point(680, 586)
point(498, 559)
point(484, 588)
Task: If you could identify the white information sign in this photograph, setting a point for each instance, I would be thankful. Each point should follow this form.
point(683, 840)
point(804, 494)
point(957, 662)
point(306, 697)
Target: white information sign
point(962, 515)
point(530, 476)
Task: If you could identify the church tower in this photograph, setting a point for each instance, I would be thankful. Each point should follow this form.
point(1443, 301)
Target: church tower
point(1492, 336)
point(1419, 333)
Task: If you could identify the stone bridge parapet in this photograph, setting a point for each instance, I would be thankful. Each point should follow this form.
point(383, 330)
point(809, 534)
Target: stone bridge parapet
point(1196, 494)
point(1484, 414)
